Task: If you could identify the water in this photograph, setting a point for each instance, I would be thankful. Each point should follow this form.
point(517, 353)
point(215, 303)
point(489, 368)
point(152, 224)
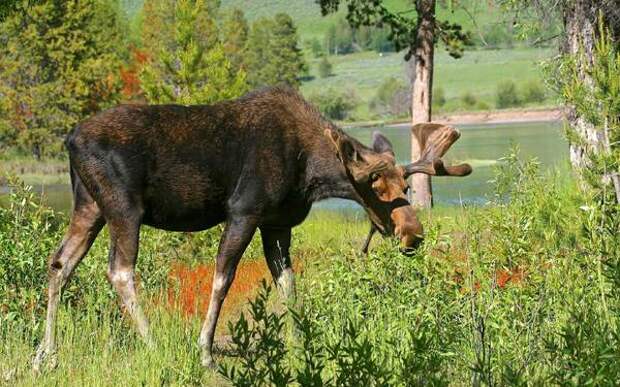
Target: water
point(479, 145)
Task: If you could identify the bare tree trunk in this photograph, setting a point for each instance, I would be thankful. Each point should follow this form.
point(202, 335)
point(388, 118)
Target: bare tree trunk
point(580, 26)
point(580, 23)
point(422, 93)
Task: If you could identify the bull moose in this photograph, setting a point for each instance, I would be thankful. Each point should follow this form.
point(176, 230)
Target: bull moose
point(258, 162)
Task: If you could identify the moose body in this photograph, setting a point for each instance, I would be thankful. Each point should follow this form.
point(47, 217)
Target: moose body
point(258, 162)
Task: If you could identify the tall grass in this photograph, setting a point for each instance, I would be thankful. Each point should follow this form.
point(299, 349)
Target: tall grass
point(507, 294)
point(521, 291)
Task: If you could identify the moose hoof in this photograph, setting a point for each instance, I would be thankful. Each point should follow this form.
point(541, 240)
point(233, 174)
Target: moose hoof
point(44, 359)
point(208, 362)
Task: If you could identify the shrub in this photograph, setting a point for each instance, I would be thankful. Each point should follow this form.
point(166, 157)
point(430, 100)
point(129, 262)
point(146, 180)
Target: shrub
point(439, 97)
point(506, 95)
point(334, 104)
point(481, 105)
point(469, 99)
point(533, 92)
point(314, 45)
point(325, 68)
point(392, 98)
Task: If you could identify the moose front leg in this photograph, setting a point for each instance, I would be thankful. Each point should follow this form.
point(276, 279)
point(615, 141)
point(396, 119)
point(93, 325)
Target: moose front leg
point(276, 244)
point(237, 235)
point(371, 232)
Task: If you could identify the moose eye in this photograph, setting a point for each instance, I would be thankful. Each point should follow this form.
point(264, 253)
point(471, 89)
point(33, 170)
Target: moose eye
point(374, 176)
point(406, 190)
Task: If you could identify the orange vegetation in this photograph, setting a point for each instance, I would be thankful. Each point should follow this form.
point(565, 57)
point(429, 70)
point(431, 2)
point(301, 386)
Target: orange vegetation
point(191, 286)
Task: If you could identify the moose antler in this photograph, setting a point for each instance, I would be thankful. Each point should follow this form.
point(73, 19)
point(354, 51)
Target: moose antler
point(435, 140)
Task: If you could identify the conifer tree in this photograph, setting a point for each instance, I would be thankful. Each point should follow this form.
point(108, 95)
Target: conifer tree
point(273, 54)
point(235, 36)
point(188, 66)
point(59, 63)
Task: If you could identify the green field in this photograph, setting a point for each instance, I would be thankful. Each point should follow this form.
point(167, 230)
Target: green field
point(311, 24)
point(477, 72)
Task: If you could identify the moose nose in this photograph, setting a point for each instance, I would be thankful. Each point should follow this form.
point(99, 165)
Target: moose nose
point(409, 230)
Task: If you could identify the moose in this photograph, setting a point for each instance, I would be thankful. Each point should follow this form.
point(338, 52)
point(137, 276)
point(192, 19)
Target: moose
point(257, 162)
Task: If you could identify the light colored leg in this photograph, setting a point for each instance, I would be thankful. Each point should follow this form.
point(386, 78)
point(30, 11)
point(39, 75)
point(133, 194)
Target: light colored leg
point(124, 238)
point(86, 222)
point(276, 245)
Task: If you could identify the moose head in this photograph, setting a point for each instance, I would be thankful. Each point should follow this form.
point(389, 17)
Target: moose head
point(382, 184)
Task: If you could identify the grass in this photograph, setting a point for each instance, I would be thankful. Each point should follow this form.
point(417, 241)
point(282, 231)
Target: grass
point(477, 72)
point(311, 24)
point(517, 292)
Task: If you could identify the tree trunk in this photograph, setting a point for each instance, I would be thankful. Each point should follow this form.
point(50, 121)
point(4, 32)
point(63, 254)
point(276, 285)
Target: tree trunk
point(422, 93)
point(580, 25)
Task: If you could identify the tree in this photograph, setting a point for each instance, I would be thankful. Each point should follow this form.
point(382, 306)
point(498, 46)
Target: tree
point(574, 74)
point(235, 31)
point(418, 36)
point(273, 55)
point(188, 66)
point(59, 62)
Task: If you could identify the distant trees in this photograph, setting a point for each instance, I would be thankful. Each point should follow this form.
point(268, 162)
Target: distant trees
point(59, 62)
point(341, 38)
point(272, 52)
point(188, 64)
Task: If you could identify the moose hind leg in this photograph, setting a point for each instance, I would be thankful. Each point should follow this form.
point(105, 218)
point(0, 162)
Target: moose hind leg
point(276, 244)
point(85, 224)
point(237, 235)
point(124, 239)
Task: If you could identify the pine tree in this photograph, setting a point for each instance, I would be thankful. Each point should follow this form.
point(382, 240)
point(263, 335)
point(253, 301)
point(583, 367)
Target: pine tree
point(59, 63)
point(235, 36)
point(273, 55)
point(188, 66)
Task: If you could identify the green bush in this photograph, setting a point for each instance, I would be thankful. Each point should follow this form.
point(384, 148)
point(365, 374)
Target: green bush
point(506, 95)
point(468, 99)
point(325, 68)
point(533, 92)
point(334, 104)
point(392, 98)
point(481, 105)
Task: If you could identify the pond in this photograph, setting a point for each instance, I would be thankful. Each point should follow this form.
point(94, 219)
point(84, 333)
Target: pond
point(480, 145)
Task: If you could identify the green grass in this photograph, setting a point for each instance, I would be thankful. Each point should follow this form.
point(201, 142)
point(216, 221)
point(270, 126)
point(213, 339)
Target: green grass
point(311, 24)
point(477, 72)
point(517, 292)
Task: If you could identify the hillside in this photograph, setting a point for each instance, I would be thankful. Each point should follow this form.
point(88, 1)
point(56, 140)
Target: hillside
point(307, 13)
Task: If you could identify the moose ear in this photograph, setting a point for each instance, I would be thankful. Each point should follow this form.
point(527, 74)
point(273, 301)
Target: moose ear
point(346, 149)
point(380, 143)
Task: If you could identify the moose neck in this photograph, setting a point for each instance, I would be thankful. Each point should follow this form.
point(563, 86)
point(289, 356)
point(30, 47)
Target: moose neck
point(325, 174)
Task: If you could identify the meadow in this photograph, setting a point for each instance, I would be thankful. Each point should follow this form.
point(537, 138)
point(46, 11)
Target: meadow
point(520, 291)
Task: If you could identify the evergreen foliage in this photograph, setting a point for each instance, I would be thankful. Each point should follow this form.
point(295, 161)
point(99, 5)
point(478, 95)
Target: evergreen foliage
point(341, 38)
point(273, 55)
point(59, 62)
point(188, 64)
point(235, 31)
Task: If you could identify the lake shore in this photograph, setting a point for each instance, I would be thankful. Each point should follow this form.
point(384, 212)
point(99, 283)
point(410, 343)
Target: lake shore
point(483, 117)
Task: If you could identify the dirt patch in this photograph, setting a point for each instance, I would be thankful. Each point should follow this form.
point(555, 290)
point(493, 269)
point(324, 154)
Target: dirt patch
point(502, 116)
